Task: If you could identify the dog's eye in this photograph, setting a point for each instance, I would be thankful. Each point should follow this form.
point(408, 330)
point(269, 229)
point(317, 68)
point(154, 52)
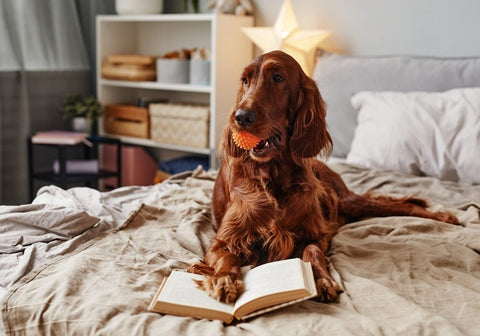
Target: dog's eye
point(244, 81)
point(277, 78)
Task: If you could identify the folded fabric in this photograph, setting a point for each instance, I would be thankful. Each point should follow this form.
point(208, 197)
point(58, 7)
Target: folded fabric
point(77, 167)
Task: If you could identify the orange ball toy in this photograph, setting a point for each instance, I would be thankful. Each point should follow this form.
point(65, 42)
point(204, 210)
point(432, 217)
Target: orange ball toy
point(245, 140)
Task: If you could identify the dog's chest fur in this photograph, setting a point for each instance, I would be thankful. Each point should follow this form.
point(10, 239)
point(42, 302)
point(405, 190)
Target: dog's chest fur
point(284, 211)
point(281, 211)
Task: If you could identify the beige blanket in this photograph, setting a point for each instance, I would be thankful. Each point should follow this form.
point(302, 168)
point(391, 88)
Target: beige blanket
point(401, 275)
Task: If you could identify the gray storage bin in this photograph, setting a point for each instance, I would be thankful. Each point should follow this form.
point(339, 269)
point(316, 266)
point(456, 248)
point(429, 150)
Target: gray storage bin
point(172, 71)
point(199, 72)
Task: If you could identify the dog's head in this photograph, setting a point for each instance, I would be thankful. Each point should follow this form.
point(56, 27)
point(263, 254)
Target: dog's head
point(281, 106)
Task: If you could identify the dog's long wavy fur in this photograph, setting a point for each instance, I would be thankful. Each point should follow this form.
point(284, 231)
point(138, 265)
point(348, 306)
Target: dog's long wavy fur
point(277, 200)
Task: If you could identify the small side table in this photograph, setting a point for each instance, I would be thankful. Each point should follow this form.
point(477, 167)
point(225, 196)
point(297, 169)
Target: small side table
point(63, 179)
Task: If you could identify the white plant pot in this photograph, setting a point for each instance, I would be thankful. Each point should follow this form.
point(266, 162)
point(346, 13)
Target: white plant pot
point(81, 124)
point(131, 7)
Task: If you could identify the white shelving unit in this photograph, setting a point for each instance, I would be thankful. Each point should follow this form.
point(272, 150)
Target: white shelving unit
point(156, 35)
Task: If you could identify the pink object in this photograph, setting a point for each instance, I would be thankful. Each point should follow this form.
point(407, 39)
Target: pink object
point(138, 167)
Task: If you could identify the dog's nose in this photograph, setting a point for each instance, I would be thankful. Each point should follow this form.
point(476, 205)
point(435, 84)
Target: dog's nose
point(245, 118)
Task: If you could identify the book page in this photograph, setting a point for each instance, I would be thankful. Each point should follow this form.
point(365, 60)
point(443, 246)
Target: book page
point(271, 278)
point(309, 278)
point(180, 289)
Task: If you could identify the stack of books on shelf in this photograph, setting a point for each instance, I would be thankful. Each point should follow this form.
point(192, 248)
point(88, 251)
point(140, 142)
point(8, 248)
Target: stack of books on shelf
point(60, 138)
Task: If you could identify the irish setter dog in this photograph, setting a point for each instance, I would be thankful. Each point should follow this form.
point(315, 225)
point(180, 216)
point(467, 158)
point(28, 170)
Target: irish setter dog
point(277, 200)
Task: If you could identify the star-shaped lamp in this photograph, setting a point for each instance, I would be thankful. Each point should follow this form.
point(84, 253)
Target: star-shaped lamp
point(285, 35)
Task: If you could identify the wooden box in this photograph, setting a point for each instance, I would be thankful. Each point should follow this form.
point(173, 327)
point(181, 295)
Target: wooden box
point(180, 124)
point(126, 120)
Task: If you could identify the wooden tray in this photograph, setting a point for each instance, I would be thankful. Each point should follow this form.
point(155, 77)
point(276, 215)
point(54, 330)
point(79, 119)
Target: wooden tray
point(127, 71)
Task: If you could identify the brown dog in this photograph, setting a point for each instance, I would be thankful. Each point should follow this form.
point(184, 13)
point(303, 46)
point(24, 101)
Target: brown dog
point(276, 200)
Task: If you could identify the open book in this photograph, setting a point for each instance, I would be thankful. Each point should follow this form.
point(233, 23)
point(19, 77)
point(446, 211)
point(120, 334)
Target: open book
point(267, 287)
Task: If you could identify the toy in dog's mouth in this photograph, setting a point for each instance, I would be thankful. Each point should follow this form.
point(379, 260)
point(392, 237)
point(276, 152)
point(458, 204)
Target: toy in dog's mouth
point(255, 145)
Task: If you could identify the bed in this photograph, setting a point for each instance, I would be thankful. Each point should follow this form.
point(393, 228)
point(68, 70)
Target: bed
point(84, 262)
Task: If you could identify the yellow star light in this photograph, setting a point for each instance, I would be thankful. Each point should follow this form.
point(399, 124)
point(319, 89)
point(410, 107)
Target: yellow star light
point(285, 35)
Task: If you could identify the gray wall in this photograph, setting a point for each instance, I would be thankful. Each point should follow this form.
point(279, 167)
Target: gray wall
point(382, 27)
point(445, 28)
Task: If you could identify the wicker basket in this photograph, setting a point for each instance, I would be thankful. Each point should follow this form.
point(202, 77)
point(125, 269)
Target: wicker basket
point(180, 124)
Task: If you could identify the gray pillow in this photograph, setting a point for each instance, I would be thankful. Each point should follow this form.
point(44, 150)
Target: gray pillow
point(339, 77)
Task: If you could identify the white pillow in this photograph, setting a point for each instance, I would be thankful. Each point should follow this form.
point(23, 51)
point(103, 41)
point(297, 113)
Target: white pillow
point(422, 133)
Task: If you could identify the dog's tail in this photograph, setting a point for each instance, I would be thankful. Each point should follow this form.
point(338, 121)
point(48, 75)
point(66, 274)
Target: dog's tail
point(356, 207)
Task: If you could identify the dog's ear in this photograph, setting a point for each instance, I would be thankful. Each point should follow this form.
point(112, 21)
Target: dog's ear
point(230, 148)
point(310, 136)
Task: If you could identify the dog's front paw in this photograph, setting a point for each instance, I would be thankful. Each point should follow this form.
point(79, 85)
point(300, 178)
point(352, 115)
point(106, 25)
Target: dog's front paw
point(447, 217)
point(201, 268)
point(327, 289)
point(222, 287)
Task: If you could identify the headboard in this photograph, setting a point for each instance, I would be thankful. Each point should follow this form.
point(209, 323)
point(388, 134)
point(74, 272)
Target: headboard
point(339, 77)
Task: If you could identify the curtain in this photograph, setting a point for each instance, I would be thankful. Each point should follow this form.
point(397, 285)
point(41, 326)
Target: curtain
point(42, 58)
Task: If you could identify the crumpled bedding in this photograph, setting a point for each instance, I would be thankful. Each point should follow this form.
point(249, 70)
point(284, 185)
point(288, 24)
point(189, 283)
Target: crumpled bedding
point(60, 220)
point(400, 275)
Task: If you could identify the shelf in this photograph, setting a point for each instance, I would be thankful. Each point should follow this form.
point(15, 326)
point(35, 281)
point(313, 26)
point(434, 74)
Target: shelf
point(152, 143)
point(64, 179)
point(157, 86)
point(230, 51)
point(158, 17)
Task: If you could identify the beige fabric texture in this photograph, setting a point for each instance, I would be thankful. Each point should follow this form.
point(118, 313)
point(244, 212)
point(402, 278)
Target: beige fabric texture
point(401, 275)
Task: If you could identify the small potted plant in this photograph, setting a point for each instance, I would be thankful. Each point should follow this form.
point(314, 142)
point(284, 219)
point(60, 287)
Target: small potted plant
point(82, 111)
point(195, 5)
